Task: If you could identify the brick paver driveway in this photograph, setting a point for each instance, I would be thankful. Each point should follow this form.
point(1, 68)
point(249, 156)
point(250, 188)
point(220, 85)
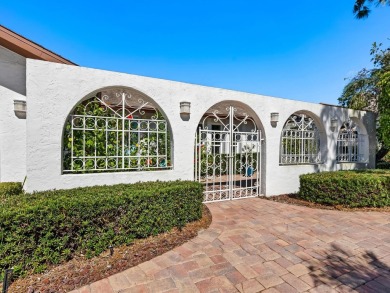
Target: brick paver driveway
point(256, 245)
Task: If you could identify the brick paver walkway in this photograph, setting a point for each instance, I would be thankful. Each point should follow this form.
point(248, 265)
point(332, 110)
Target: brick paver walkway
point(254, 245)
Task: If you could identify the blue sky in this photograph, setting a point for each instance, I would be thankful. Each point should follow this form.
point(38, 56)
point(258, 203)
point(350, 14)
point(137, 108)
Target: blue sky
point(299, 50)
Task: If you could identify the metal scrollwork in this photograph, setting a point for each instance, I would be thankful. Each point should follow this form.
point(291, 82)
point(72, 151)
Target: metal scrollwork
point(228, 159)
point(348, 143)
point(116, 130)
point(224, 120)
point(300, 141)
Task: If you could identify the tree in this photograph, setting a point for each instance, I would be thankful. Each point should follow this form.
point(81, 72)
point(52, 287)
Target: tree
point(370, 90)
point(361, 7)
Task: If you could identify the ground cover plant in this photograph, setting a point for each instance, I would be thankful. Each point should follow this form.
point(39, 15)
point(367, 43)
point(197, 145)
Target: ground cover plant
point(359, 188)
point(45, 228)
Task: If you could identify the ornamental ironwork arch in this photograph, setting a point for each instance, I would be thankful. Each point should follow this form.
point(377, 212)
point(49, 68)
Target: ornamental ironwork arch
point(349, 143)
point(300, 141)
point(228, 154)
point(116, 130)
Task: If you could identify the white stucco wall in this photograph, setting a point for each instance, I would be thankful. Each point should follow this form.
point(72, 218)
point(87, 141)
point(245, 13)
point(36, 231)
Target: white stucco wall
point(12, 138)
point(12, 71)
point(54, 89)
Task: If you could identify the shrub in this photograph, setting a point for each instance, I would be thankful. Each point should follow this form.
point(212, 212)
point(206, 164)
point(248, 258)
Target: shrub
point(40, 229)
point(383, 165)
point(365, 188)
point(10, 188)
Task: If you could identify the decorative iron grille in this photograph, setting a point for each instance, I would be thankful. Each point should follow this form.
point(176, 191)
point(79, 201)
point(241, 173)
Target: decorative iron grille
point(300, 142)
point(116, 130)
point(348, 143)
point(228, 159)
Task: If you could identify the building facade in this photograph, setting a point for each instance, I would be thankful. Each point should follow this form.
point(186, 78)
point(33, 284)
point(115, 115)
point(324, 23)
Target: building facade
point(88, 127)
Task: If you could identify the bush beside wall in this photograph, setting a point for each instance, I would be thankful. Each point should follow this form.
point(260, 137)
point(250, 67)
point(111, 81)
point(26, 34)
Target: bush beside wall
point(10, 188)
point(383, 165)
point(365, 188)
point(45, 228)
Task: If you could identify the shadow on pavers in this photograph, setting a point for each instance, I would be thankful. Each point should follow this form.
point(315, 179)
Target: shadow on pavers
point(363, 271)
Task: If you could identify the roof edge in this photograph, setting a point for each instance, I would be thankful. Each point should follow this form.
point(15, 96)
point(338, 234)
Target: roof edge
point(27, 48)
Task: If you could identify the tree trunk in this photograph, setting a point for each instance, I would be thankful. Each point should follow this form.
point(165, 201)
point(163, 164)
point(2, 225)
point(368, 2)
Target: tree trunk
point(381, 153)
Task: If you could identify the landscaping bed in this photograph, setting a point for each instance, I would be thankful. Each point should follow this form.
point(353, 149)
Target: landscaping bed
point(81, 271)
point(358, 188)
point(294, 199)
point(40, 230)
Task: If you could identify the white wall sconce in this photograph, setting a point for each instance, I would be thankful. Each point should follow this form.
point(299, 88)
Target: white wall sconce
point(20, 109)
point(185, 107)
point(274, 118)
point(185, 110)
point(333, 124)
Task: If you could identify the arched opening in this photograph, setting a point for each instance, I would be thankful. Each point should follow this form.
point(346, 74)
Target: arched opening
point(116, 129)
point(300, 140)
point(352, 143)
point(228, 152)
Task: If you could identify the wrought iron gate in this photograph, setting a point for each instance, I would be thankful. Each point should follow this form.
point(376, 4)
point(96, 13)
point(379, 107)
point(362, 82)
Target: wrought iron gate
point(228, 159)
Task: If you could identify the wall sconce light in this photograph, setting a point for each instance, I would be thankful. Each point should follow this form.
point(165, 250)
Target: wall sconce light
point(185, 107)
point(333, 124)
point(274, 118)
point(20, 109)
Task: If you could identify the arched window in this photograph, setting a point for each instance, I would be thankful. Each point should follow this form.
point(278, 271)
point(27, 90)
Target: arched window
point(116, 130)
point(348, 144)
point(300, 143)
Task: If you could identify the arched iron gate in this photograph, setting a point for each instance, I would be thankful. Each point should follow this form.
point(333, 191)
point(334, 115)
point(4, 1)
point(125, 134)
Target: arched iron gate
point(228, 156)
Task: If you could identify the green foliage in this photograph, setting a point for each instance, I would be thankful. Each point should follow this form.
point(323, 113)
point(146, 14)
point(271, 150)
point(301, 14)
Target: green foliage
point(384, 107)
point(383, 165)
point(216, 164)
point(370, 90)
point(381, 60)
point(10, 188)
point(365, 188)
point(360, 90)
point(294, 145)
point(365, 89)
point(99, 139)
point(361, 8)
point(40, 229)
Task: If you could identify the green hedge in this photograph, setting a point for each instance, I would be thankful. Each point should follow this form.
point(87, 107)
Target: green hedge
point(383, 165)
point(50, 227)
point(10, 188)
point(365, 188)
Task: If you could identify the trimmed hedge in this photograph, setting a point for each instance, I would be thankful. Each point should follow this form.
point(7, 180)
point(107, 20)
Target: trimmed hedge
point(360, 188)
point(10, 188)
point(383, 165)
point(45, 228)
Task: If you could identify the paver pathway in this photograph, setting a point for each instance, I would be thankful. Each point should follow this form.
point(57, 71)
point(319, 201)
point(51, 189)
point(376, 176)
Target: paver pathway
point(255, 245)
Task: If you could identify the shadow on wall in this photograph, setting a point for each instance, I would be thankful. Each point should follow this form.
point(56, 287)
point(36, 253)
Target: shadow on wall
point(326, 116)
point(338, 266)
point(371, 136)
